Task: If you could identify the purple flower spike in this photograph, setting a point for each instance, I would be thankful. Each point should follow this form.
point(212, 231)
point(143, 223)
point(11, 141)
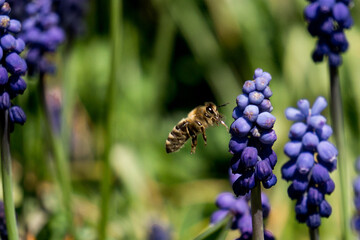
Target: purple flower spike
point(326, 18)
point(12, 64)
point(253, 135)
point(42, 34)
point(312, 158)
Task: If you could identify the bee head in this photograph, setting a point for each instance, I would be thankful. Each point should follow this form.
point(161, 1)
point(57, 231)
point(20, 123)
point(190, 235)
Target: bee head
point(213, 113)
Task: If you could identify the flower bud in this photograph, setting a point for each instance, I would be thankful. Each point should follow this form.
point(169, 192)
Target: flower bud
point(261, 83)
point(267, 92)
point(263, 170)
point(319, 174)
point(271, 181)
point(304, 162)
point(325, 209)
point(17, 115)
point(242, 101)
point(292, 149)
point(313, 221)
point(225, 200)
point(265, 120)
point(327, 151)
point(3, 76)
point(249, 86)
point(256, 97)
point(324, 132)
point(236, 145)
point(15, 64)
point(240, 127)
point(310, 141)
point(268, 137)
point(218, 215)
point(288, 170)
point(249, 157)
point(294, 114)
point(297, 130)
point(251, 113)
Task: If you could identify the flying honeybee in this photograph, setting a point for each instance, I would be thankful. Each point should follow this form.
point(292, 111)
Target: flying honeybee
point(196, 122)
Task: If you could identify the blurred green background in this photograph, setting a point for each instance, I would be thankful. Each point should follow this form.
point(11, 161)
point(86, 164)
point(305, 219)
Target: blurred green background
point(173, 56)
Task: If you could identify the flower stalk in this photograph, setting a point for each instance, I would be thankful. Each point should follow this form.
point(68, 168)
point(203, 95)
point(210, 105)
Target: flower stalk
point(314, 233)
point(116, 7)
point(57, 149)
point(257, 213)
point(338, 126)
point(6, 176)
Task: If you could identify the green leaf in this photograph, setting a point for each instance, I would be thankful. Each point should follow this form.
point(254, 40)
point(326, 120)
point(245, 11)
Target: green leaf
point(217, 231)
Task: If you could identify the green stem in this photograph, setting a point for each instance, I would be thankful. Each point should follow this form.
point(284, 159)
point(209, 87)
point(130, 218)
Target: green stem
point(57, 149)
point(116, 8)
point(6, 177)
point(338, 126)
point(314, 233)
point(257, 213)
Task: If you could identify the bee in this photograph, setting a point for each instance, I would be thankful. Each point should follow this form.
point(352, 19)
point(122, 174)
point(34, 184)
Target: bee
point(196, 122)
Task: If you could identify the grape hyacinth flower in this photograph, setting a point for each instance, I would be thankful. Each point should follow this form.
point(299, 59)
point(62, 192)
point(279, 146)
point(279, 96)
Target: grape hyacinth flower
point(327, 20)
point(13, 66)
point(240, 211)
point(42, 35)
point(356, 187)
point(159, 232)
point(312, 158)
point(70, 12)
point(252, 135)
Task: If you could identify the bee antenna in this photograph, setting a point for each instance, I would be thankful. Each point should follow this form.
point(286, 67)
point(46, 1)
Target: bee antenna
point(222, 105)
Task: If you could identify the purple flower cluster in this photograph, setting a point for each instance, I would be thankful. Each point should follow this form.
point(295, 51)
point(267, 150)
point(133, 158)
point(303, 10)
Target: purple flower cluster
point(12, 65)
point(356, 186)
point(327, 20)
point(241, 213)
point(42, 35)
point(159, 232)
point(312, 158)
point(70, 12)
point(3, 229)
point(252, 135)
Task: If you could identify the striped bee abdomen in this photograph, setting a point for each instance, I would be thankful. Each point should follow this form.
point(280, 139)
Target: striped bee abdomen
point(177, 137)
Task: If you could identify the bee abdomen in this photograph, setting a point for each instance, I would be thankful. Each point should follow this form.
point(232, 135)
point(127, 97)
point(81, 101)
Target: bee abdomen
point(177, 138)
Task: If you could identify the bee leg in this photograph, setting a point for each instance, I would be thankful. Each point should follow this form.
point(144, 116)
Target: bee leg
point(203, 134)
point(193, 144)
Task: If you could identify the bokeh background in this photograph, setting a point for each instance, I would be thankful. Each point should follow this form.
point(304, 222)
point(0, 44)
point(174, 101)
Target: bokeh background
point(173, 56)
